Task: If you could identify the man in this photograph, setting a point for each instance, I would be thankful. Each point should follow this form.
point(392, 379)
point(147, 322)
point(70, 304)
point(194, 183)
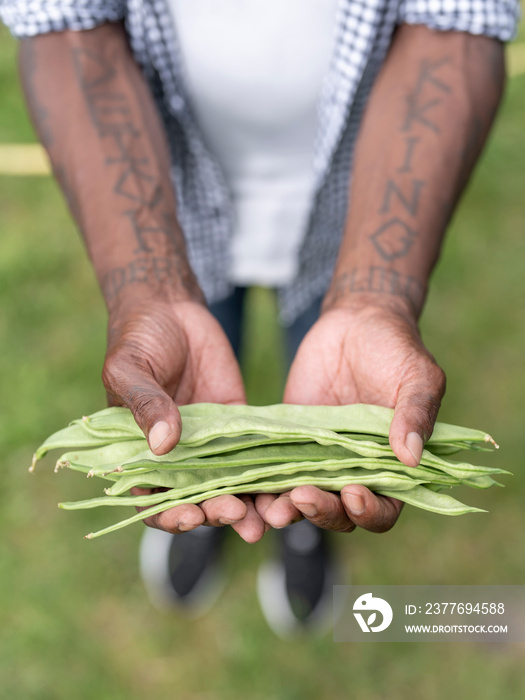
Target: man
point(407, 94)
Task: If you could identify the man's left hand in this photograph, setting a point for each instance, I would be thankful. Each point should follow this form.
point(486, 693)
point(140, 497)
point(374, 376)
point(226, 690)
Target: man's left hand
point(361, 354)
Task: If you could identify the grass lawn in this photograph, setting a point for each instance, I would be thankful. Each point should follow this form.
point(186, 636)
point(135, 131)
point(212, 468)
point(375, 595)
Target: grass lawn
point(74, 618)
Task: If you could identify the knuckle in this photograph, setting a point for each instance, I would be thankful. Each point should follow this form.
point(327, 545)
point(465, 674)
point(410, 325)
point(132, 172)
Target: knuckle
point(436, 379)
point(422, 395)
point(387, 517)
point(344, 525)
point(111, 374)
point(143, 405)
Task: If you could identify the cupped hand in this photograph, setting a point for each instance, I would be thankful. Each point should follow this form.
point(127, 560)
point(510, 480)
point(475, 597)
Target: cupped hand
point(162, 354)
point(361, 354)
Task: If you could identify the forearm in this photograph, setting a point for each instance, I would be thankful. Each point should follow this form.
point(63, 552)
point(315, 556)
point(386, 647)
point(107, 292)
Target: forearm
point(96, 117)
point(427, 119)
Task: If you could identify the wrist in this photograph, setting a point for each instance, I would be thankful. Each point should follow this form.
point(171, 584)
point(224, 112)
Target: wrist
point(376, 287)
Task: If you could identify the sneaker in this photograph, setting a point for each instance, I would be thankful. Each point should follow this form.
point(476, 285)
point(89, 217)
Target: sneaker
point(182, 571)
point(295, 590)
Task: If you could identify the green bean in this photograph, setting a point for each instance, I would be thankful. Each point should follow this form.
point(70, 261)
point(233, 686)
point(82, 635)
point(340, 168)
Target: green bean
point(481, 482)
point(428, 499)
point(99, 458)
point(72, 436)
point(181, 478)
point(246, 449)
point(358, 418)
point(180, 453)
point(94, 461)
point(418, 495)
point(214, 421)
point(268, 484)
point(128, 455)
point(115, 423)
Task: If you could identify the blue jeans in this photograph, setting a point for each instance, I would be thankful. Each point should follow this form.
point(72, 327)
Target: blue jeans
point(229, 313)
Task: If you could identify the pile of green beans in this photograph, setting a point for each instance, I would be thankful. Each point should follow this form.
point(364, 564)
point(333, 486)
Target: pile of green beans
point(264, 449)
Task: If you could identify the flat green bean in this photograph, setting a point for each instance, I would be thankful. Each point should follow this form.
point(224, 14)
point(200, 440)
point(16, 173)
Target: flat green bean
point(180, 478)
point(357, 418)
point(246, 449)
point(428, 499)
point(267, 484)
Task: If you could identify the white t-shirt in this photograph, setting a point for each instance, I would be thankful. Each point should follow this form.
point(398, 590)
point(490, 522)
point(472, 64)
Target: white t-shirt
point(254, 71)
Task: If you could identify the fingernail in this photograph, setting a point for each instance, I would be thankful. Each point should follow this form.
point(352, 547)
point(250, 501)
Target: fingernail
point(158, 434)
point(184, 527)
point(414, 445)
point(355, 503)
point(227, 521)
point(307, 509)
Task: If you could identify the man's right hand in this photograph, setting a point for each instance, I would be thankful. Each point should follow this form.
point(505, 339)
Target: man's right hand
point(164, 353)
point(113, 163)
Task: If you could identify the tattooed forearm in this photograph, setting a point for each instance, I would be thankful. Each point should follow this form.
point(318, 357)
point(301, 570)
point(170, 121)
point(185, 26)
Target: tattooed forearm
point(111, 158)
point(426, 120)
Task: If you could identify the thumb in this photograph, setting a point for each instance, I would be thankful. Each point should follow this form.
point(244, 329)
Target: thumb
point(130, 382)
point(415, 412)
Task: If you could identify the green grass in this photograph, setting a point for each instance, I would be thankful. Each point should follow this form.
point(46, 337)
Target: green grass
point(74, 618)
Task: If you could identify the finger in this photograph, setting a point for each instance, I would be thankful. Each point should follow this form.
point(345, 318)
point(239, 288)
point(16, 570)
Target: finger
point(252, 527)
point(176, 520)
point(415, 413)
point(369, 511)
point(223, 510)
point(282, 512)
point(129, 382)
point(262, 503)
point(322, 508)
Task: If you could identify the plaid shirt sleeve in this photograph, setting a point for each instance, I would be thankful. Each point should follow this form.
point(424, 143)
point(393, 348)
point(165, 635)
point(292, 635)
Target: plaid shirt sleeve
point(494, 18)
point(31, 17)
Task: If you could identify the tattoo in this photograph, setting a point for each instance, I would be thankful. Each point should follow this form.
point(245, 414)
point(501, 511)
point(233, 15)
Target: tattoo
point(142, 231)
point(39, 113)
point(112, 116)
point(138, 186)
point(410, 205)
point(136, 182)
point(393, 239)
point(407, 164)
point(151, 271)
point(108, 109)
point(417, 107)
point(378, 280)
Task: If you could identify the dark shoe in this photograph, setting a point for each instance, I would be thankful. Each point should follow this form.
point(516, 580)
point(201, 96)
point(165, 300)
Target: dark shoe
point(295, 590)
point(182, 571)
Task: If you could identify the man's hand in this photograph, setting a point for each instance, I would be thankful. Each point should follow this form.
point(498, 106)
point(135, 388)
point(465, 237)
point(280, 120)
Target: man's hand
point(113, 163)
point(425, 122)
point(161, 354)
point(361, 354)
